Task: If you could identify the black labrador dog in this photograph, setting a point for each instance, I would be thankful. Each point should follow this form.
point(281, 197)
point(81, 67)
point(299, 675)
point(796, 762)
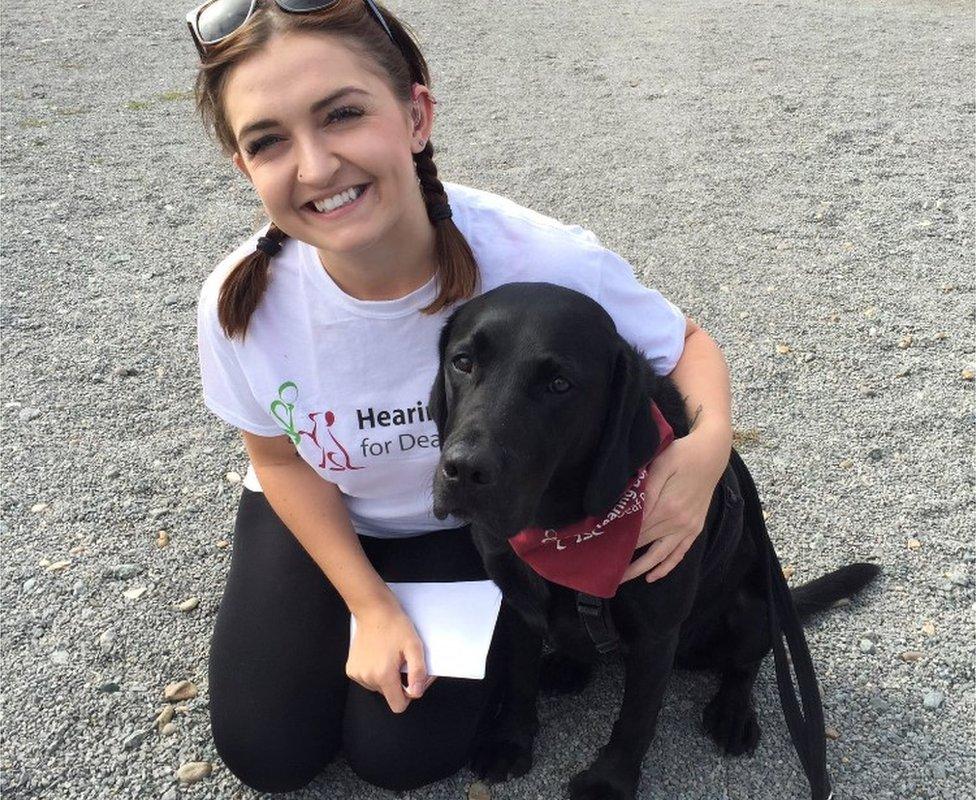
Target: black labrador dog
point(542, 414)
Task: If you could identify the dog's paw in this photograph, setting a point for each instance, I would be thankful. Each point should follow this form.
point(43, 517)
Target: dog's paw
point(563, 675)
point(599, 782)
point(732, 725)
point(497, 759)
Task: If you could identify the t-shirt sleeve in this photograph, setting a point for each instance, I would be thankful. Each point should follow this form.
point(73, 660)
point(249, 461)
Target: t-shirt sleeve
point(643, 316)
point(226, 391)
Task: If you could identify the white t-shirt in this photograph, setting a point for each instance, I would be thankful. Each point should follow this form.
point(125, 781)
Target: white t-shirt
point(348, 380)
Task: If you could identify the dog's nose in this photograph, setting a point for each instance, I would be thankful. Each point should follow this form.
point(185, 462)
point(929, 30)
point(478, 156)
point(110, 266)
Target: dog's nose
point(467, 466)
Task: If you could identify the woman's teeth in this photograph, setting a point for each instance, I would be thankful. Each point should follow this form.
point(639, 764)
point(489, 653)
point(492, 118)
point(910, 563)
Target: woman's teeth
point(341, 199)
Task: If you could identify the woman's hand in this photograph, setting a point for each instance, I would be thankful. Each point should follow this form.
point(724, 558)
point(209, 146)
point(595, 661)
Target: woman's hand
point(385, 638)
point(678, 490)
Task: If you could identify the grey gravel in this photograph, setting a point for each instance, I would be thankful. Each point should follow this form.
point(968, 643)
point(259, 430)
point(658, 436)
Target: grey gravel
point(791, 173)
point(933, 700)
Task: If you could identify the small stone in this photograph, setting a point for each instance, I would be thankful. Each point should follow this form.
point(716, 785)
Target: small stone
point(27, 414)
point(846, 464)
point(37, 508)
point(871, 312)
point(108, 687)
point(133, 740)
point(913, 544)
point(223, 544)
point(112, 472)
point(124, 372)
point(957, 575)
point(903, 372)
point(928, 628)
point(939, 336)
point(968, 374)
point(193, 771)
point(841, 602)
point(162, 540)
point(189, 604)
point(170, 794)
point(165, 716)
point(60, 657)
point(933, 700)
point(58, 565)
point(782, 349)
point(122, 572)
point(233, 477)
point(938, 772)
point(168, 728)
point(831, 733)
point(29, 584)
point(867, 646)
point(910, 656)
point(156, 513)
point(789, 571)
point(834, 317)
point(876, 454)
point(478, 791)
point(179, 690)
point(106, 640)
point(134, 593)
point(905, 342)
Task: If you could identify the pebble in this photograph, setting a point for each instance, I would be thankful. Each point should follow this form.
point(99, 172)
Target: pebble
point(905, 342)
point(180, 690)
point(957, 575)
point(58, 565)
point(133, 740)
point(135, 593)
point(156, 513)
point(60, 657)
point(28, 413)
point(124, 372)
point(933, 700)
point(222, 544)
point(162, 540)
point(112, 472)
point(910, 656)
point(193, 771)
point(165, 716)
point(168, 729)
point(106, 640)
point(782, 349)
point(478, 791)
point(867, 646)
point(831, 732)
point(876, 454)
point(169, 794)
point(29, 584)
point(928, 628)
point(122, 572)
point(108, 687)
point(967, 375)
point(37, 508)
point(189, 604)
point(233, 477)
point(913, 544)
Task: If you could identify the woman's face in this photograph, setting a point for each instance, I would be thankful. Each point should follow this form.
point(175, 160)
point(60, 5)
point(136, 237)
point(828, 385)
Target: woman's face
point(307, 150)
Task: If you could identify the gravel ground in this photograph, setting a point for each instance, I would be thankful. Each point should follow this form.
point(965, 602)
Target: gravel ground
point(797, 176)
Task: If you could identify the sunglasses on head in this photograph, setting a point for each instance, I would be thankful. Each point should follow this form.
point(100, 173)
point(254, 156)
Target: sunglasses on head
point(215, 20)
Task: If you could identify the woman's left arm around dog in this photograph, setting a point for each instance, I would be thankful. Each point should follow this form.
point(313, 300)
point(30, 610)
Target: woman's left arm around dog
point(681, 480)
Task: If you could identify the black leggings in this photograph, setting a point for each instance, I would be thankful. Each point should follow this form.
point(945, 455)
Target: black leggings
point(281, 705)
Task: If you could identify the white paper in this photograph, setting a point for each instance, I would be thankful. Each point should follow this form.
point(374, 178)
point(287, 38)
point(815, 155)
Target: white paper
point(455, 622)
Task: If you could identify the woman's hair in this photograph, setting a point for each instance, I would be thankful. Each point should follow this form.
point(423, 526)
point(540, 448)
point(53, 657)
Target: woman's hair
point(353, 23)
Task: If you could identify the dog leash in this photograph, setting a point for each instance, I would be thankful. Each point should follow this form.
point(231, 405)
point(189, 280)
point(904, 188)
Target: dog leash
point(806, 726)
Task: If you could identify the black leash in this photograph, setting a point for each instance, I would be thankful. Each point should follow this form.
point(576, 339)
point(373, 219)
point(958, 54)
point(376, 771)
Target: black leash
point(806, 726)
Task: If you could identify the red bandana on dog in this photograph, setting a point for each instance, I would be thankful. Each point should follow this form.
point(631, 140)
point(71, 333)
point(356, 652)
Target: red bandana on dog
point(592, 555)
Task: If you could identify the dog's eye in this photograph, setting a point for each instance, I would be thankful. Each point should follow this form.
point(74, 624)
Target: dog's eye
point(560, 385)
point(462, 363)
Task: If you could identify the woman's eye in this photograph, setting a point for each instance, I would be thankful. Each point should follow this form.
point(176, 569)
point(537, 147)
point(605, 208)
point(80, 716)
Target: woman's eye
point(560, 385)
point(337, 115)
point(462, 363)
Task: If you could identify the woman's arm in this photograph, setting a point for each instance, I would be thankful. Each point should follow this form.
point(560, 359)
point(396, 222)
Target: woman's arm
point(681, 480)
point(313, 511)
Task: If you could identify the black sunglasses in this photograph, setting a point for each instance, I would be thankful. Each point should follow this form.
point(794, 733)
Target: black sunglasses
point(215, 20)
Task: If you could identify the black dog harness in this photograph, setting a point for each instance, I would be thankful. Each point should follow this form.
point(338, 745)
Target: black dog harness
point(807, 725)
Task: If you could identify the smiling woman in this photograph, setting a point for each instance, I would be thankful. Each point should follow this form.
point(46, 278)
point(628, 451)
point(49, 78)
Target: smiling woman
point(307, 331)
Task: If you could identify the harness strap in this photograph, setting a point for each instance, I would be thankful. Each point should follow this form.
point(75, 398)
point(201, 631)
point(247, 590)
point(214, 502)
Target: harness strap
point(806, 726)
point(595, 614)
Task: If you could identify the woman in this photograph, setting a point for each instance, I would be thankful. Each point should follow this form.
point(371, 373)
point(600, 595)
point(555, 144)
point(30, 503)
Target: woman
point(318, 335)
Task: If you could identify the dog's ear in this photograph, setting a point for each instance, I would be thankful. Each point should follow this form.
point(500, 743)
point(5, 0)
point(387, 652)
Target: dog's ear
point(437, 403)
point(629, 436)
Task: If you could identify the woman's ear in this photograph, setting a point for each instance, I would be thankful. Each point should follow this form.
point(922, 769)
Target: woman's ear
point(437, 404)
point(629, 436)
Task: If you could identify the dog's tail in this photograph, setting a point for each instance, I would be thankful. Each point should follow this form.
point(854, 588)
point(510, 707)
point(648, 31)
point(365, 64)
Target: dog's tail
point(821, 593)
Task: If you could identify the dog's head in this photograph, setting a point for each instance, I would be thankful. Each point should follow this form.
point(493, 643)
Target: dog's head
point(542, 410)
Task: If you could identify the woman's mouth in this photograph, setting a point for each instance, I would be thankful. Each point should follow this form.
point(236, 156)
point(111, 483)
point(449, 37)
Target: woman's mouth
point(341, 211)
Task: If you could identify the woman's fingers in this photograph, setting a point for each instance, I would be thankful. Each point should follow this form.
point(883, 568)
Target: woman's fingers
point(656, 553)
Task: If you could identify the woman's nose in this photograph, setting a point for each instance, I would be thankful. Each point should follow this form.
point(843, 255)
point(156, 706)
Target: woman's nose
point(316, 162)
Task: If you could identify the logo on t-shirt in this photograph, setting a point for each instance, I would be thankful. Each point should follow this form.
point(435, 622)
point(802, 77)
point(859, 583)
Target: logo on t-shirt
point(283, 410)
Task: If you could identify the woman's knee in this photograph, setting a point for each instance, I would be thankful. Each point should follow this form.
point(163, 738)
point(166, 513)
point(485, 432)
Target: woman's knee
point(271, 758)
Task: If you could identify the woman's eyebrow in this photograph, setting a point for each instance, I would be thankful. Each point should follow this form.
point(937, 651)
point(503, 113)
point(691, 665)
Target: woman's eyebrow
point(261, 124)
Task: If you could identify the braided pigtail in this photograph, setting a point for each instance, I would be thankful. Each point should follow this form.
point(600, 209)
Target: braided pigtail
point(457, 272)
point(245, 284)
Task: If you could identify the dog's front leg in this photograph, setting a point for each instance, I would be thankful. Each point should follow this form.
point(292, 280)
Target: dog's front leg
point(615, 773)
point(503, 746)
